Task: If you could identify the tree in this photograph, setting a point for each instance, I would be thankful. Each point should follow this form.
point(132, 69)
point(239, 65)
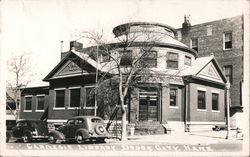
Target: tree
point(126, 67)
point(20, 69)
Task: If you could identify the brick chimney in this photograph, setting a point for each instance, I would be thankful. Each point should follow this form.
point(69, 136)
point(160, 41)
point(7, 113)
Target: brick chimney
point(186, 26)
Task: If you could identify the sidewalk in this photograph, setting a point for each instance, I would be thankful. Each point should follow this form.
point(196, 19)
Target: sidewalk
point(195, 138)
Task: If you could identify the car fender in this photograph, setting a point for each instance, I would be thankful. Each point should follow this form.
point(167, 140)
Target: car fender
point(84, 132)
point(57, 134)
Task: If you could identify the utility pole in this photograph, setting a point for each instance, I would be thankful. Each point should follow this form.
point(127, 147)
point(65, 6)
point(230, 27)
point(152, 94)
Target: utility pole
point(228, 109)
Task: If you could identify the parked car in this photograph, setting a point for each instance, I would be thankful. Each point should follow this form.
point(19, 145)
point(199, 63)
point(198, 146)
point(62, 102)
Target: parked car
point(27, 130)
point(219, 127)
point(80, 129)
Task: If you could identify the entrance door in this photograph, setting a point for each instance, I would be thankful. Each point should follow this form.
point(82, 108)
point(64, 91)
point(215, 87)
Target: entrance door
point(148, 106)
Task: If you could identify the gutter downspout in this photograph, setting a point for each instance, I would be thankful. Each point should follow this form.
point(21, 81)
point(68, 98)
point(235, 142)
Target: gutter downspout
point(186, 104)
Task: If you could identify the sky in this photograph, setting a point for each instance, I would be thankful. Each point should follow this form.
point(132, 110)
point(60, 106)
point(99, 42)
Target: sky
point(37, 26)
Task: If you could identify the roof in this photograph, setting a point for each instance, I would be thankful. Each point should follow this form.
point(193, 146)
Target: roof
point(199, 65)
point(127, 25)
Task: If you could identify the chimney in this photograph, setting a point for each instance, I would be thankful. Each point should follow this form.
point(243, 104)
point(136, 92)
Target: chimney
point(76, 45)
point(186, 26)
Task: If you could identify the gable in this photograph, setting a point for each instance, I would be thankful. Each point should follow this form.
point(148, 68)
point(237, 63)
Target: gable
point(69, 68)
point(210, 72)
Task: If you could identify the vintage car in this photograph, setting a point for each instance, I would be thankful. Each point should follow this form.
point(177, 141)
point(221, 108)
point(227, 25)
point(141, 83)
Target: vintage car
point(80, 129)
point(219, 127)
point(27, 130)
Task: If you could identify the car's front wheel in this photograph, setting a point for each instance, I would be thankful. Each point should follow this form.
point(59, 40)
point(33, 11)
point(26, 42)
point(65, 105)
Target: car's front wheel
point(27, 137)
point(52, 139)
point(79, 138)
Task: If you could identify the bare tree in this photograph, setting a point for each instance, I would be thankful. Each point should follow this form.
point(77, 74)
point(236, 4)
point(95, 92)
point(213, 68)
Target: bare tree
point(126, 67)
point(20, 69)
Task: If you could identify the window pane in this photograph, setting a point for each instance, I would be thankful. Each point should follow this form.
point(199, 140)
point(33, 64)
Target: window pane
point(172, 60)
point(75, 97)
point(228, 40)
point(150, 59)
point(126, 58)
point(173, 97)
point(215, 101)
point(40, 102)
point(172, 64)
point(228, 73)
point(28, 103)
point(90, 94)
point(60, 97)
point(201, 100)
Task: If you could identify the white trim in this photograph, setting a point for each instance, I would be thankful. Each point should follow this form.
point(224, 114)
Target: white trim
point(202, 89)
point(40, 95)
point(174, 107)
point(28, 96)
point(202, 110)
point(39, 110)
point(85, 107)
point(215, 110)
point(215, 91)
point(27, 110)
point(57, 120)
point(71, 108)
point(75, 87)
point(90, 86)
point(59, 88)
point(59, 108)
point(205, 123)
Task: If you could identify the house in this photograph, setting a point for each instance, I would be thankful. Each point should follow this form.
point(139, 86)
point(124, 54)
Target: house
point(176, 89)
point(225, 39)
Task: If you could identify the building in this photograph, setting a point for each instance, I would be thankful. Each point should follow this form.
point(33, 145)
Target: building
point(223, 38)
point(175, 89)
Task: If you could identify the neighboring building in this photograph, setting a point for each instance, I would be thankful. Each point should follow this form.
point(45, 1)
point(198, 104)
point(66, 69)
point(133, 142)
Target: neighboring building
point(178, 90)
point(223, 38)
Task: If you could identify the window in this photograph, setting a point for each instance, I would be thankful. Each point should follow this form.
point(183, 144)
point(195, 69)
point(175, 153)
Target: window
point(105, 57)
point(201, 99)
point(173, 97)
point(74, 97)
point(194, 44)
point(227, 40)
point(228, 71)
point(215, 101)
point(149, 59)
point(126, 58)
point(90, 94)
point(28, 103)
point(60, 97)
point(172, 60)
point(40, 102)
point(187, 60)
point(209, 30)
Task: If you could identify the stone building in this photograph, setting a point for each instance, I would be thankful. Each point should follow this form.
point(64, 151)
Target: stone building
point(178, 90)
point(223, 38)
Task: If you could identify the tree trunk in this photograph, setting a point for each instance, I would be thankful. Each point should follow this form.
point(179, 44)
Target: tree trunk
point(124, 127)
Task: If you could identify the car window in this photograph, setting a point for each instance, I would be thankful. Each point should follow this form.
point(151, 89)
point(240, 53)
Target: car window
point(96, 120)
point(79, 122)
point(20, 124)
point(70, 122)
